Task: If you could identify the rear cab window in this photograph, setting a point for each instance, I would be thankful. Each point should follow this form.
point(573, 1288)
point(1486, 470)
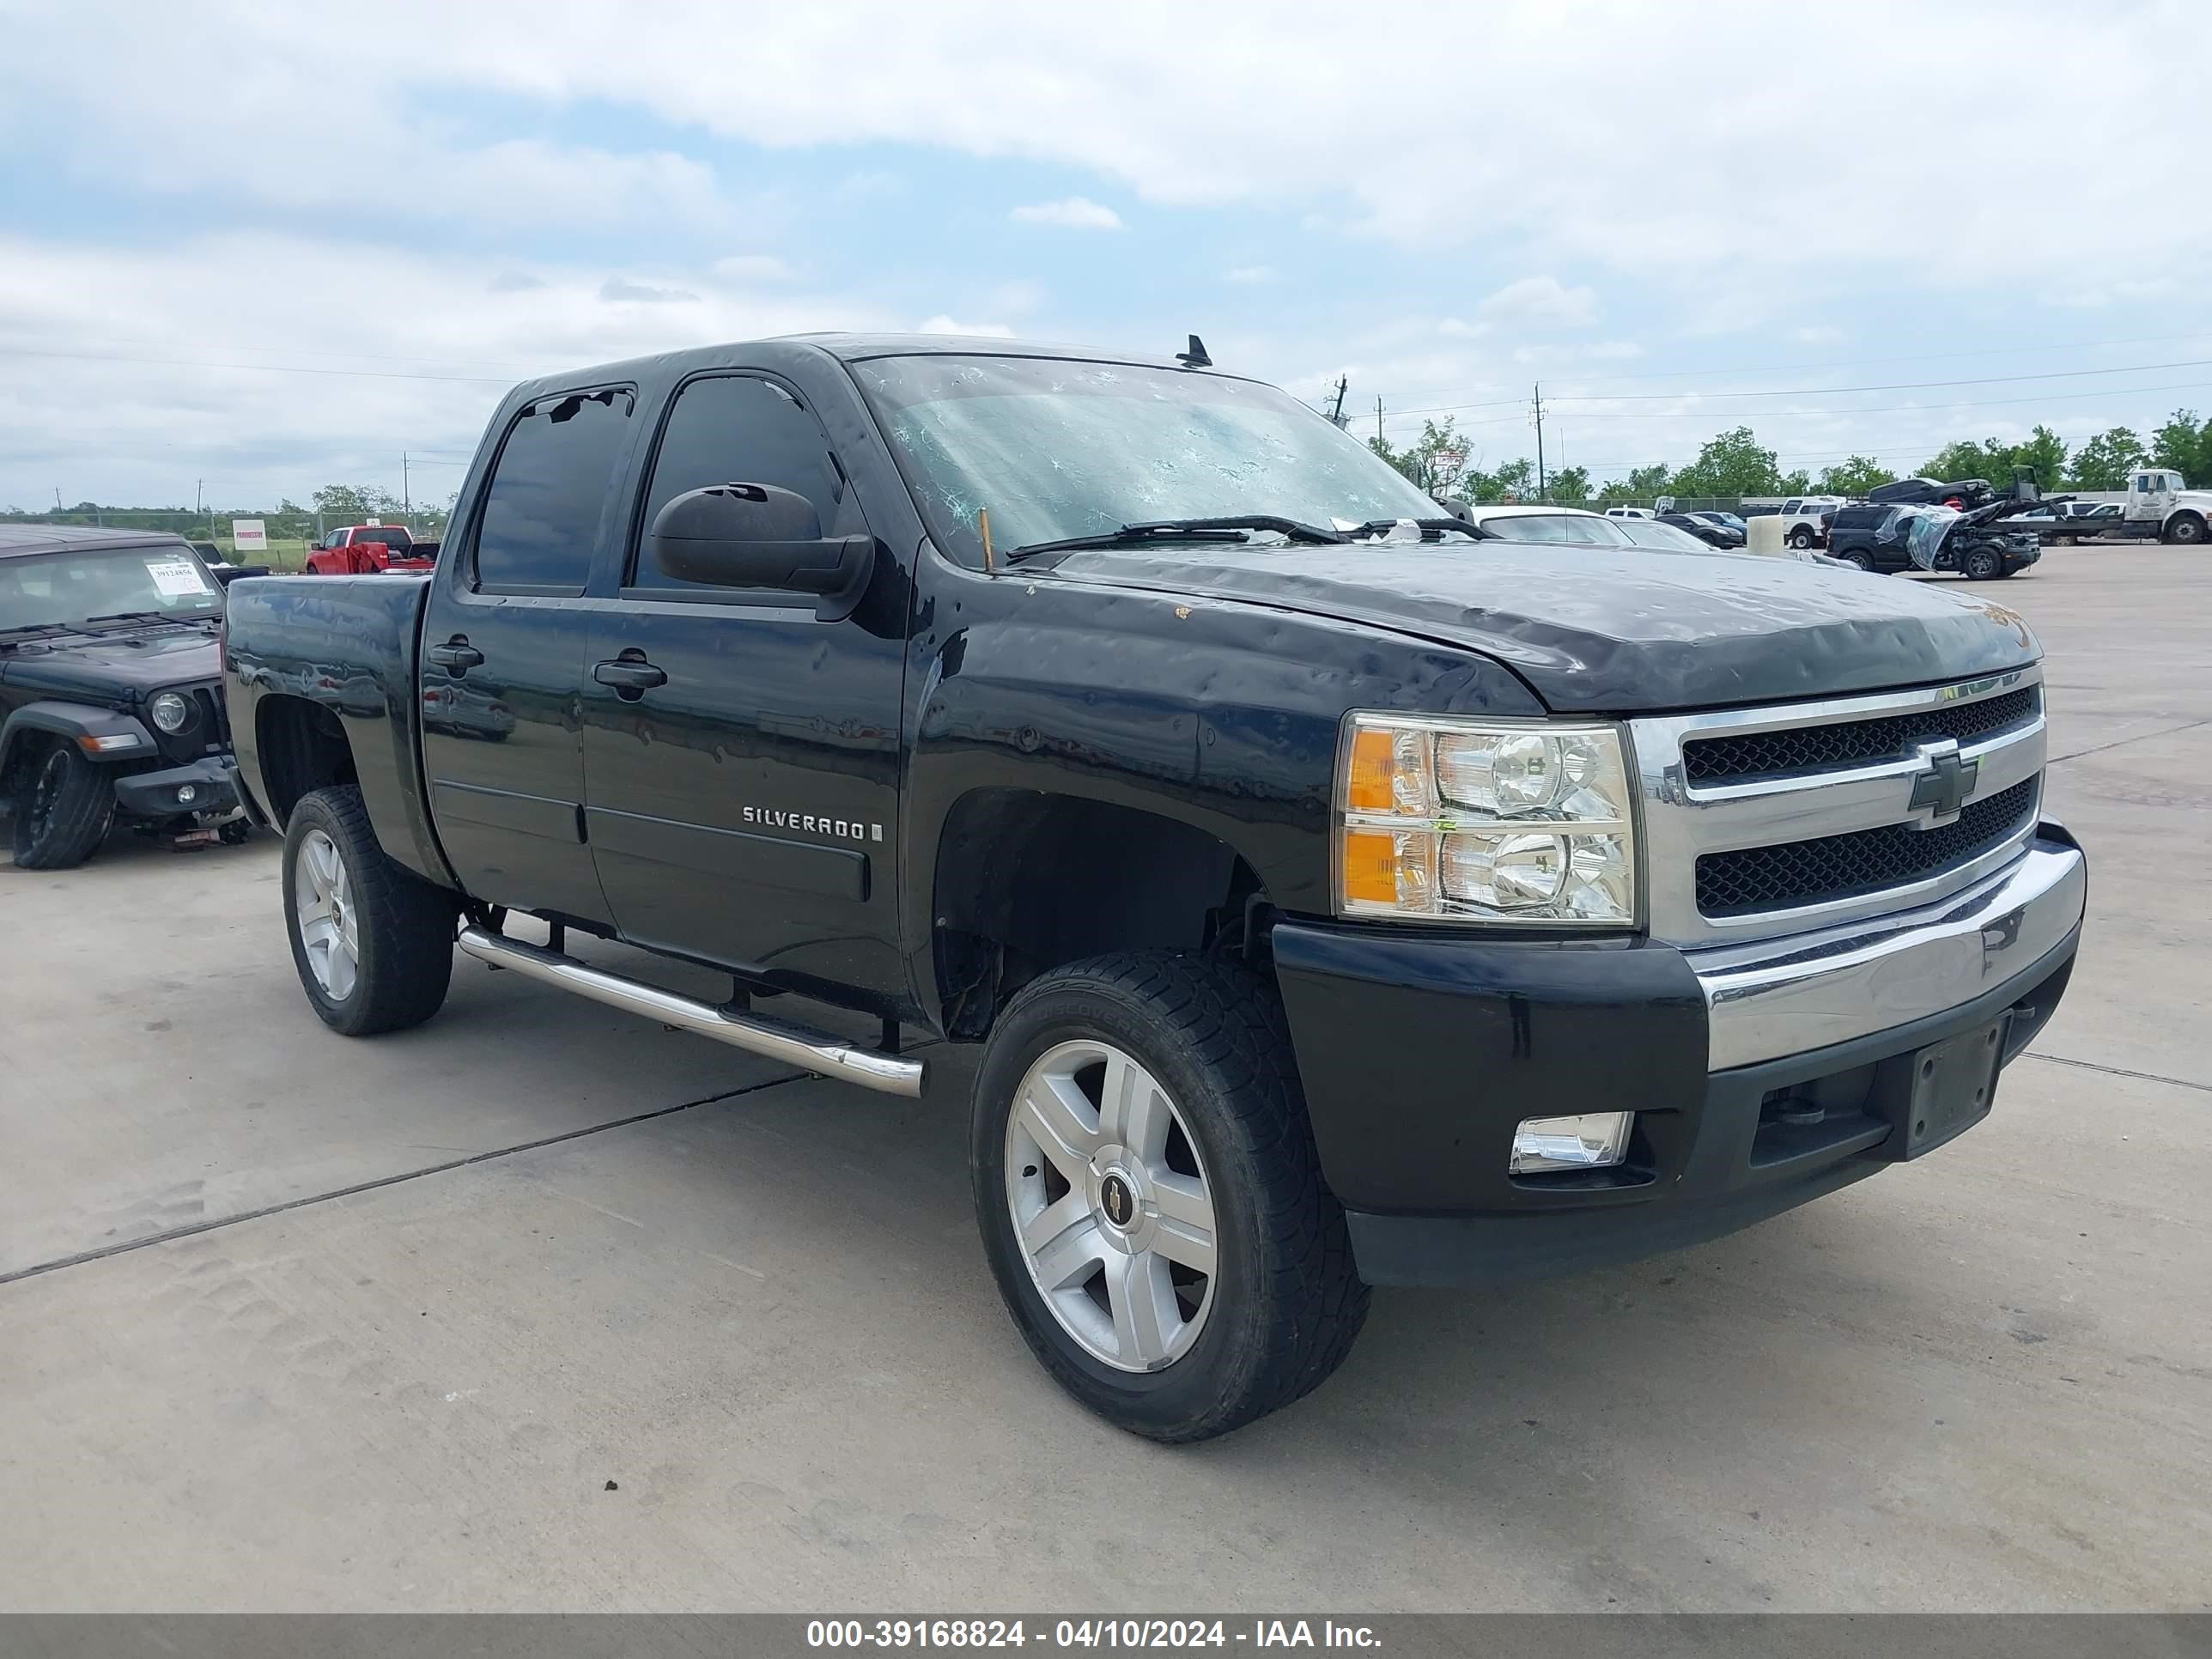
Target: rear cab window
point(540, 524)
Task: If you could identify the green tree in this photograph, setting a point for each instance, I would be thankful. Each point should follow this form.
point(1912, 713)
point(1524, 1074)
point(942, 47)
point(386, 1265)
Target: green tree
point(1734, 465)
point(341, 504)
point(2105, 461)
point(1436, 461)
point(1570, 486)
point(2185, 447)
point(2044, 450)
point(1854, 476)
point(1963, 458)
point(1516, 479)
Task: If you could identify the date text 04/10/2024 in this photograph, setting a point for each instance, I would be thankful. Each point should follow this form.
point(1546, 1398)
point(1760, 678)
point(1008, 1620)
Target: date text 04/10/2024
point(1085, 1634)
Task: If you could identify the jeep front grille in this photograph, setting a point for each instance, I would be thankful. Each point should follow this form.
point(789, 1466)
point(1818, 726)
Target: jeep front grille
point(1767, 821)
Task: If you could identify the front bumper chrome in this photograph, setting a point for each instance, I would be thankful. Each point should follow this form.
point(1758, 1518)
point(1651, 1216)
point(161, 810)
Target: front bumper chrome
point(1788, 996)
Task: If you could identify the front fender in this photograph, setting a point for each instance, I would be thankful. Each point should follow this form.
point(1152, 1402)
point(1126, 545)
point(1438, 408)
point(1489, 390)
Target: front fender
point(99, 734)
point(1218, 714)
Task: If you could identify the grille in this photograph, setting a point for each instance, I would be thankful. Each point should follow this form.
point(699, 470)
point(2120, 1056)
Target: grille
point(1799, 872)
point(1852, 743)
point(215, 719)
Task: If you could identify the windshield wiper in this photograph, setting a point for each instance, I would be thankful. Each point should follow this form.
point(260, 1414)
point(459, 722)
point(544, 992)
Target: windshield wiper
point(1433, 530)
point(36, 630)
point(149, 617)
point(1197, 530)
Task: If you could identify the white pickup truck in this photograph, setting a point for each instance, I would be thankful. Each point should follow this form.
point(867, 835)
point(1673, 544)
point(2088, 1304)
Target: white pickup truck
point(2161, 504)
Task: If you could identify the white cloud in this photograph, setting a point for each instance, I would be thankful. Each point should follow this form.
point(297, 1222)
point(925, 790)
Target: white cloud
point(1645, 179)
point(1593, 351)
point(1818, 334)
point(617, 291)
point(754, 267)
point(1251, 274)
point(1074, 213)
point(2096, 296)
point(941, 324)
point(1460, 329)
point(1540, 301)
point(212, 358)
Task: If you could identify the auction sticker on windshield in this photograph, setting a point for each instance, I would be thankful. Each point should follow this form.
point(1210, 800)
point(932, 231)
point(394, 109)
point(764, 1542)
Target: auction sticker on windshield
point(178, 579)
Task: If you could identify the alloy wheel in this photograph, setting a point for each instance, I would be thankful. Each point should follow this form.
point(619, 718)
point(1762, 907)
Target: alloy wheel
point(330, 934)
point(1112, 1210)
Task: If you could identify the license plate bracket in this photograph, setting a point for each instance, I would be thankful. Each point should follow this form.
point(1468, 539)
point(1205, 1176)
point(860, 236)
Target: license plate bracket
point(1955, 1083)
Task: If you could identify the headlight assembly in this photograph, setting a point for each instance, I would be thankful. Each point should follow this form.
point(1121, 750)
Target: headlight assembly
point(1452, 820)
point(171, 712)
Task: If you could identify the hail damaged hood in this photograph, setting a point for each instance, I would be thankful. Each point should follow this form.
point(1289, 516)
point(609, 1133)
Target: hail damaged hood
point(1602, 630)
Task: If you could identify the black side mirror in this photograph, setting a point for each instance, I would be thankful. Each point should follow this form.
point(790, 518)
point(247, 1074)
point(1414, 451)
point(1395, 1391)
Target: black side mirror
point(750, 535)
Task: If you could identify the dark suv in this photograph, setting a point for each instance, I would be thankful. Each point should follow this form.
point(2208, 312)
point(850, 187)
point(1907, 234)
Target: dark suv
point(1872, 537)
point(109, 704)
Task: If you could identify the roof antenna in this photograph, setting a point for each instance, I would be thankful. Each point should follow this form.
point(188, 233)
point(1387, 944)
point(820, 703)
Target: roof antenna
point(1195, 357)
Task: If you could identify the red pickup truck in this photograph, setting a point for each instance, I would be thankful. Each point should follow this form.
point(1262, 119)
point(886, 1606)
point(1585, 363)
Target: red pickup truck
point(364, 550)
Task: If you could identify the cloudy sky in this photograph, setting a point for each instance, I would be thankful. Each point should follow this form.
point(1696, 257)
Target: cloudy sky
point(270, 248)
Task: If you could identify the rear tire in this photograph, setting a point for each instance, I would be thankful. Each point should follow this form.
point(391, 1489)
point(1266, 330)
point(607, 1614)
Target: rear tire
point(373, 941)
point(63, 810)
point(1178, 1072)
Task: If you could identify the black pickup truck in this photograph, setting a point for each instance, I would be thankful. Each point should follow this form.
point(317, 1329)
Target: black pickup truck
point(1340, 896)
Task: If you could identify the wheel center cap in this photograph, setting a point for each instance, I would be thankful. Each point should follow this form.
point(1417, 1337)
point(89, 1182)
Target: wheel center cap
point(1118, 1200)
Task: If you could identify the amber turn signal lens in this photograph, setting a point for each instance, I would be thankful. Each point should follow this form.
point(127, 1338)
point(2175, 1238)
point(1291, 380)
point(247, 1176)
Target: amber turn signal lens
point(1367, 789)
point(1371, 866)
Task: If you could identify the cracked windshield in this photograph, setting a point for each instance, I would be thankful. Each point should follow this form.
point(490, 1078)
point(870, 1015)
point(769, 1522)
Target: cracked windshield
point(1054, 448)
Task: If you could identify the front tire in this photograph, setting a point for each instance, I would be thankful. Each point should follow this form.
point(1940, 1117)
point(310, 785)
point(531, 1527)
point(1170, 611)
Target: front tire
point(1982, 565)
point(2188, 531)
point(63, 810)
point(1149, 1198)
point(1860, 560)
point(372, 942)
point(1801, 538)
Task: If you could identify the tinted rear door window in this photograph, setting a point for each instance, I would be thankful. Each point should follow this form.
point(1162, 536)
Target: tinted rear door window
point(541, 513)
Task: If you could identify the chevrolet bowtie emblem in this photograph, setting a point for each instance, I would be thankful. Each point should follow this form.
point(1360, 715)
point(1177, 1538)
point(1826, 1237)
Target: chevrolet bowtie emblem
point(1945, 781)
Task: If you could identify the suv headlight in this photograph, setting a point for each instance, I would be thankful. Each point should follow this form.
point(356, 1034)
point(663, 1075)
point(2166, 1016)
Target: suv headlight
point(1452, 820)
point(170, 712)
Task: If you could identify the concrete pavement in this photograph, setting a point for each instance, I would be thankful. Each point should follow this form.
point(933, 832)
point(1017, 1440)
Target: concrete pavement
point(1979, 1382)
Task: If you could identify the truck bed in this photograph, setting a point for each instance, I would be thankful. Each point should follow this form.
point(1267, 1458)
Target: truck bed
point(349, 645)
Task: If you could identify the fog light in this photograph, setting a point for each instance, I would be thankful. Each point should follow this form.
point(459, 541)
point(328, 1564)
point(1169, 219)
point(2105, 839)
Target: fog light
point(1595, 1141)
point(187, 793)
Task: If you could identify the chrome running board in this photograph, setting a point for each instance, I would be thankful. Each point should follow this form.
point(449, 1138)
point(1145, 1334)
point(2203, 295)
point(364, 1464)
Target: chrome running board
point(772, 1039)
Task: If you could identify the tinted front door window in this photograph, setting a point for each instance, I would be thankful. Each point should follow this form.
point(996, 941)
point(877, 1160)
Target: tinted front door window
point(739, 428)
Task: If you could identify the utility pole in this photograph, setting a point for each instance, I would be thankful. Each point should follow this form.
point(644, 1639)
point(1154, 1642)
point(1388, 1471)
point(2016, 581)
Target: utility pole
point(1540, 441)
point(1336, 411)
point(1378, 421)
point(406, 495)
